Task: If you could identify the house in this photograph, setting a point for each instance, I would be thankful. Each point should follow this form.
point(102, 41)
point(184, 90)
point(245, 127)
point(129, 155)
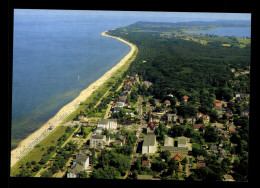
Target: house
point(129, 83)
point(245, 113)
point(120, 103)
point(127, 105)
point(205, 118)
point(149, 130)
point(182, 142)
point(240, 95)
point(168, 141)
point(190, 119)
point(184, 98)
point(108, 124)
point(154, 118)
point(200, 159)
point(220, 105)
point(197, 126)
point(167, 103)
point(214, 149)
point(180, 119)
point(177, 157)
point(120, 141)
point(117, 109)
point(149, 144)
point(74, 172)
point(200, 164)
point(83, 160)
point(231, 128)
point(171, 118)
point(147, 83)
point(146, 163)
point(228, 177)
point(98, 141)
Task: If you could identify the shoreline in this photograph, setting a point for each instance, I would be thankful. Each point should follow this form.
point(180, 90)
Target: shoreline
point(33, 139)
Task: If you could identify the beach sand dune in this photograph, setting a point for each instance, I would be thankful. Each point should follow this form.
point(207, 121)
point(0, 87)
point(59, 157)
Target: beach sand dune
point(27, 144)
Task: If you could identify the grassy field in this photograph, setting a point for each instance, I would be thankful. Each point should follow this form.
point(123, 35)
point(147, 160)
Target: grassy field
point(37, 153)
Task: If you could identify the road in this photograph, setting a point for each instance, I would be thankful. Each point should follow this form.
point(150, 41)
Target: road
point(140, 108)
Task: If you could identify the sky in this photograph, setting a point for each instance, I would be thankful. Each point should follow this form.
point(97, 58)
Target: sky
point(183, 15)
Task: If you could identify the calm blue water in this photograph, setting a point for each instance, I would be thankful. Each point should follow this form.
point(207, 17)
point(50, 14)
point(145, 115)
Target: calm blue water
point(237, 32)
point(52, 47)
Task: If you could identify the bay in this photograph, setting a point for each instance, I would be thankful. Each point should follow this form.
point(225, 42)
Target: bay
point(227, 31)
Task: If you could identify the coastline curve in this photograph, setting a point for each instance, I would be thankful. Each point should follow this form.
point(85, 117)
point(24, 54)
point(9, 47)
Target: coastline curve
point(33, 139)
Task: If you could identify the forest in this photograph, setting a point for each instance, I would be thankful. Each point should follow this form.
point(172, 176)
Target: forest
point(181, 67)
point(204, 73)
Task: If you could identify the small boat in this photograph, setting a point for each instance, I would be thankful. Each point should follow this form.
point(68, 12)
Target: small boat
point(78, 77)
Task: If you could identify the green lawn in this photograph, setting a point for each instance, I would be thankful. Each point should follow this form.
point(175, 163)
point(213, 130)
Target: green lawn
point(38, 151)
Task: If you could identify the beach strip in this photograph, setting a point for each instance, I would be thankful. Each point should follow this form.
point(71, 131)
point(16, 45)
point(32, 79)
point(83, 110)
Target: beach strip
point(33, 139)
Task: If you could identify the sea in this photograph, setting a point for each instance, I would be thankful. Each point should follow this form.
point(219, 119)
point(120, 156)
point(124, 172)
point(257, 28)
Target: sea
point(59, 53)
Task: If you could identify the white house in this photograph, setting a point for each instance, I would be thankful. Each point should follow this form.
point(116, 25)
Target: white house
point(80, 164)
point(74, 171)
point(97, 141)
point(149, 144)
point(108, 124)
point(83, 159)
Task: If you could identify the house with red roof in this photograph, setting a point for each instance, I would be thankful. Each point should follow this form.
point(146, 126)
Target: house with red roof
point(167, 103)
point(177, 157)
point(200, 164)
point(184, 98)
point(198, 126)
point(146, 163)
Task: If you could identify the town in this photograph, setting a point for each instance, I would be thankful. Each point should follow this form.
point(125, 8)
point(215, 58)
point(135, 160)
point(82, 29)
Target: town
point(144, 138)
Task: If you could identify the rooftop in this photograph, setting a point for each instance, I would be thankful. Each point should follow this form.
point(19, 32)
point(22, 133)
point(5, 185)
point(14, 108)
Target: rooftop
point(149, 140)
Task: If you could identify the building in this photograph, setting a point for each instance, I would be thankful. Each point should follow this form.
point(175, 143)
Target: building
point(171, 117)
point(149, 144)
point(177, 157)
point(167, 103)
point(75, 171)
point(205, 118)
point(174, 150)
point(184, 98)
point(197, 126)
point(97, 141)
point(168, 141)
point(120, 141)
point(108, 124)
point(182, 142)
point(83, 160)
point(81, 163)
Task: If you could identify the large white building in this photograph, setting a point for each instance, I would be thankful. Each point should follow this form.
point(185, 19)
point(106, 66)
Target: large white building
point(108, 124)
point(98, 141)
point(149, 144)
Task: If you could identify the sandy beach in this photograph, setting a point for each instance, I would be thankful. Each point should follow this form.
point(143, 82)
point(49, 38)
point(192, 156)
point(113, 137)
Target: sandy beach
point(27, 144)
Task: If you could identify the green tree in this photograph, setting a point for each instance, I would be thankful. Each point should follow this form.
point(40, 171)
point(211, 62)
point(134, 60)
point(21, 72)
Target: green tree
point(210, 134)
